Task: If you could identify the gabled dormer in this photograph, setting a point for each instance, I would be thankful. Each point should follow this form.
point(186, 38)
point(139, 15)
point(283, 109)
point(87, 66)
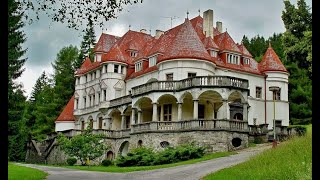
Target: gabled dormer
point(245, 55)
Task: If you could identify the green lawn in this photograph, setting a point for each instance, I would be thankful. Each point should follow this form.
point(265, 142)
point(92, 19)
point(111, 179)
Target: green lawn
point(16, 172)
point(290, 160)
point(142, 168)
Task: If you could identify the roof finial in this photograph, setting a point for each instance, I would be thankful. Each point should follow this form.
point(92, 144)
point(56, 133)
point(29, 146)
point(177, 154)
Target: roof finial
point(199, 11)
point(269, 44)
point(129, 27)
point(187, 14)
point(226, 29)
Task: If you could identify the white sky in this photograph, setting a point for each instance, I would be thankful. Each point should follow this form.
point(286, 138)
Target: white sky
point(240, 17)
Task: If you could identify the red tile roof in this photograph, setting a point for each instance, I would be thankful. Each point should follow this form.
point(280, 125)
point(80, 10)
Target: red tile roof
point(185, 43)
point(244, 50)
point(210, 44)
point(87, 66)
point(67, 113)
point(271, 62)
point(131, 40)
point(225, 42)
point(105, 42)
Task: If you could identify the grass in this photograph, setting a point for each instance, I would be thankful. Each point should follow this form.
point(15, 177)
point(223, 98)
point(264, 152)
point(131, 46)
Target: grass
point(290, 160)
point(16, 172)
point(143, 168)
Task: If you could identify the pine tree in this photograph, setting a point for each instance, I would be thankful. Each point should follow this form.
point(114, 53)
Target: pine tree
point(41, 82)
point(16, 99)
point(297, 42)
point(88, 42)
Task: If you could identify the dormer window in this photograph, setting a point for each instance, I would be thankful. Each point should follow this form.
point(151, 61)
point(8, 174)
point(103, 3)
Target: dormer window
point(213, 53)
point(133, 54)
point(233, 59)
point(246, 61)
point(138, 66)
point(152, 61)
point(98, 57)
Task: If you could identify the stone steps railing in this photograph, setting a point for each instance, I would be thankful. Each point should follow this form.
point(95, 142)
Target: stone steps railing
point(198, 81)
point(120, 101)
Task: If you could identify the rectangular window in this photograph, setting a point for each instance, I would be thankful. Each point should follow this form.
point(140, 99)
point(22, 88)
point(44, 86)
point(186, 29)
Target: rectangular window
point(85, 102)
point(122, 69)
point(127, 122)
point(258, 92)
point(94, 100)
point(169, 77)
point(77, 102)
point(100, 122)
point(90, 100)
point(167, 112)
point(99, 97)
point(106, 68)
point(246, 60)
point(115, 69)
point(277, 123)
point(200, 111)
point(133, 54)
point(138, 66)
point(213, 53)
point(105, 94)
point(82, 125)
point(277, 95)
point(91, 123)
point(152, 61)
point(190, 75)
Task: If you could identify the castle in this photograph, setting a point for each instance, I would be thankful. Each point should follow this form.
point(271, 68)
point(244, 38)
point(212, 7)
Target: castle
point(189, 83)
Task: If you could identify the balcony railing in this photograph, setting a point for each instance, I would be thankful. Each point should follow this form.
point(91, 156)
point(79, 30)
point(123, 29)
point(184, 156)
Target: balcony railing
point(120, 101)
point(229, 125)
point(108, 133)
point(198, 81)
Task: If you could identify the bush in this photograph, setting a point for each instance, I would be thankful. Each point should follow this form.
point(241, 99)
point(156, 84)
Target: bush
point(143, 156)
point(106, 162)
point(71, 161)
point(300, 129)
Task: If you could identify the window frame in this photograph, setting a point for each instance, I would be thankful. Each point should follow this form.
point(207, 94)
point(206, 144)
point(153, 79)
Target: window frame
point(258, 88)
point(169, 75)
point(167, 112)
point(192, 73)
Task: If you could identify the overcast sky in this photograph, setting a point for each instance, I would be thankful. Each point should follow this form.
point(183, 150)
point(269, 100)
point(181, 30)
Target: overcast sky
point(239, 17)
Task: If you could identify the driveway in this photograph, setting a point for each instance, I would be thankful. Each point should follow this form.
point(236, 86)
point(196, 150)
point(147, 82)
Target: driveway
point(186, 172)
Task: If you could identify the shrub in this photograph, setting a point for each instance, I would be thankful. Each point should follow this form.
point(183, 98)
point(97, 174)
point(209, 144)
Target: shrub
point(143, 156)
point(106, 162)
point(300, 129)
point(71, 161)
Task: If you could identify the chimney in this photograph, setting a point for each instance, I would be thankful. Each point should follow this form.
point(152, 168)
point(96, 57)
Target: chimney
point(143, 31)
point(158, 33)
point(208, 23)
point(219, 26)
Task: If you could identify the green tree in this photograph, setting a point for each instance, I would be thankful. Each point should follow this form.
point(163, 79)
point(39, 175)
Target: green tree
point(88, 42)
point(297, 42)
point(74, 12)
point(64, 81)
point(257, 46)
point(41, 82)
point(83, 146)
point(16, 99)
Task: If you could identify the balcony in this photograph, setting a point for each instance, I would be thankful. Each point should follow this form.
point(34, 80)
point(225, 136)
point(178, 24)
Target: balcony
point(228, 125)
point(198, 81)
point(120, 101)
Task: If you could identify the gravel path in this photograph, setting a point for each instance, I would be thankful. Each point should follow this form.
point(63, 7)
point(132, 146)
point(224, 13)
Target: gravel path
point(186, 172)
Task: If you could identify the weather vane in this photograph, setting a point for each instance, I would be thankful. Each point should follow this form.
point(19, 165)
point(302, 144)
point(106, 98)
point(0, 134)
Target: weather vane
point(187, 14)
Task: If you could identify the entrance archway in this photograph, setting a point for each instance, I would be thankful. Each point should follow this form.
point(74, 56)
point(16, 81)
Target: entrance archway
point(110, 155)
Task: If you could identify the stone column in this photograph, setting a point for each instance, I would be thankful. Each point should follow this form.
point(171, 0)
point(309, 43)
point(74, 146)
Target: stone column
point(108, 123)
point(245, 111)
point(195, 108)
point(133, 117)
point(123, 121)
point(179, 111)
point(161, 113)
point(155, 111)
point(103, 69)
point(225, 109)
point(213, 117)
point(139, 116)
